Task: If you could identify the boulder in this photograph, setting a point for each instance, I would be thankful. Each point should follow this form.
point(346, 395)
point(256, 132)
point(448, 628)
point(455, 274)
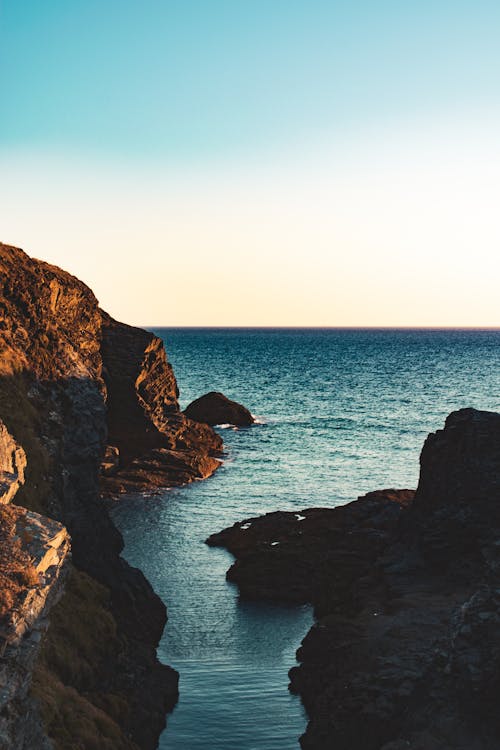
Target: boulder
point(215, 408)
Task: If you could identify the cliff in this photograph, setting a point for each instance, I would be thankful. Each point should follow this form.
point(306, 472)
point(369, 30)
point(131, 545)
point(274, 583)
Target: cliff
point(69, 377)
point(34, 554)
point(405, 651)
point(156, 443)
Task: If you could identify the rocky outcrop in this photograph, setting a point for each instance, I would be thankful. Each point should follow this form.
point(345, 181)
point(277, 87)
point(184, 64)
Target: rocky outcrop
point(12, 465)
point(405, 651)
point(214, 408)
point(157, 444)
point(34, 556)
point(97, 682)
point(291, 557)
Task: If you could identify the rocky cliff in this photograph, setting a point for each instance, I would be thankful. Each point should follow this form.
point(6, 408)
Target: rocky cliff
point(72, 381)
point(405, 651)
point(156, 443)
point(34, 554)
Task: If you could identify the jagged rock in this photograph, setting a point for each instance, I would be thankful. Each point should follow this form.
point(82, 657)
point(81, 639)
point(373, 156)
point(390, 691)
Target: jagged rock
point(34, 555)
point(111, 461)
point(294, 557)
point(214, 408)
point(405, 651)
point(158, 445)
point(69, 375)
point(12, 465)
point(159, 468)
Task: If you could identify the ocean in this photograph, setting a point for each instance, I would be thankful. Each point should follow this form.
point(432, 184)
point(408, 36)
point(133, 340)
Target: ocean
point(340, 412)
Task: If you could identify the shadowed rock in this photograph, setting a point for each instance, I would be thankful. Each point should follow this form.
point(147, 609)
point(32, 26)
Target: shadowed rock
point(214, 408)
point(405, 651)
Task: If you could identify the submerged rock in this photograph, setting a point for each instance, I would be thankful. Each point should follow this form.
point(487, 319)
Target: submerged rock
point(405, 587)
point(214, 408)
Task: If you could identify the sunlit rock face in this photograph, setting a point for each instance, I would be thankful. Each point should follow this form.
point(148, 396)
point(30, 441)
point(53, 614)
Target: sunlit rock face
point(63, 389)
point(34, 557)
point(12, 465)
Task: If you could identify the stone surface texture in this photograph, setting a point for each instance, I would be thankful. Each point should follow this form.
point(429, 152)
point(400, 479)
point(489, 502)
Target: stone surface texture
point(405, 650)
point(63, 390)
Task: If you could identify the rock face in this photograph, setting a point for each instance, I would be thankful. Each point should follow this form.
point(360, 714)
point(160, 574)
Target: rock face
point(405, 651)
point(34, 554)
point(97, 681)
point(215, 408)
point(12, 465)
point(39, 584)
point(157, 444)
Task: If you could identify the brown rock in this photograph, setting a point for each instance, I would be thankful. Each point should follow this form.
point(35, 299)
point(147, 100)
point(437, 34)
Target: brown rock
point(111, 461)
point(60, 385)
point(214, 408)
point(158, 445)
point(12, 465)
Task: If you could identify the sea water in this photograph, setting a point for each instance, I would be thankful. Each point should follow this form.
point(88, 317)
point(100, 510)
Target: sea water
point(340, 413)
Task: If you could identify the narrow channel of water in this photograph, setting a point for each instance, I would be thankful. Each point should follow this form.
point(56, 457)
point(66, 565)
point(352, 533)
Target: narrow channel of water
point(344, 412)
point(233, 657)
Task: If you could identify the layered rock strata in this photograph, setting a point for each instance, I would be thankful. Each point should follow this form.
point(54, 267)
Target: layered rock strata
point(157, 444)
point(69, 378)
point(405, 651)
point(34, 556)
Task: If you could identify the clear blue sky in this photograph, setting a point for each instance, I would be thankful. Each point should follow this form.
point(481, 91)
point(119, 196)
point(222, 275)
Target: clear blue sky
point(288, 161)
point(184, 79)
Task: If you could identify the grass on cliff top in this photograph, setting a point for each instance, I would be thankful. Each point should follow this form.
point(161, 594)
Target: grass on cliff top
point(17, 573)
point(78, 653)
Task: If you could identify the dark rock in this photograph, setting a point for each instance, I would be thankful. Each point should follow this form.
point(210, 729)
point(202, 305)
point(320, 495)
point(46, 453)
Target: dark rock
point(214, 408)
point(293, 557)
point(405, 650)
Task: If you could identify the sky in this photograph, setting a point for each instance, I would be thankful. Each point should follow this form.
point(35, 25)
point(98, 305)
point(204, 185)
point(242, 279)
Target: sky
point(277, 162)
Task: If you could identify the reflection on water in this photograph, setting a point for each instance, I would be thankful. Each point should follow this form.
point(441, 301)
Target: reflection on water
point(233, 657)
point(344, 412)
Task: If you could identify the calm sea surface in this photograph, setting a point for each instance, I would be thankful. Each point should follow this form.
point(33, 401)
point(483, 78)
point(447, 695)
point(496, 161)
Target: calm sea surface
point(342, 412)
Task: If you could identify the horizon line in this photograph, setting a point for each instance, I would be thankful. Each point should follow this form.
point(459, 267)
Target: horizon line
point(326, 327)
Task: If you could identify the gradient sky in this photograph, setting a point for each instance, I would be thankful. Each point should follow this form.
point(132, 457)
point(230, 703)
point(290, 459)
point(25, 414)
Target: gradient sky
point(287, 162)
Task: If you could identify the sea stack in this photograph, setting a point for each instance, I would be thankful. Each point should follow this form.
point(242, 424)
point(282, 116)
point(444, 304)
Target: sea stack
point(215, 408)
